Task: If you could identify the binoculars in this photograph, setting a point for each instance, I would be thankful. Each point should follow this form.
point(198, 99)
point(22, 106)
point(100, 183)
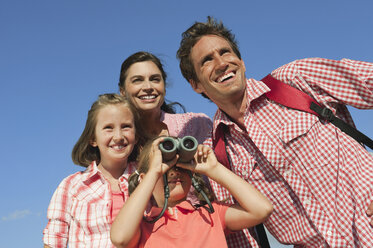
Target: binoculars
point(186, 147)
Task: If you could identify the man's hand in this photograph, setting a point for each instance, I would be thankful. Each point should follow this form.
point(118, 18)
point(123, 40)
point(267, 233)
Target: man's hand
point(370, 213)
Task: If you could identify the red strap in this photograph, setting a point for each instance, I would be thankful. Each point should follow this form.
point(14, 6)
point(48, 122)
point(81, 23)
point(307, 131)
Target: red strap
point(219, 145)
point(287, 95)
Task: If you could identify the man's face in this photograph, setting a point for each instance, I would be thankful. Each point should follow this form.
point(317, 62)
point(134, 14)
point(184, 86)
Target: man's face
point(220, 73)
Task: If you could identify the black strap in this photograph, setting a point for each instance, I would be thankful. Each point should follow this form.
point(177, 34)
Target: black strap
point(291, 97)
point(353, 132)
point(262, 235)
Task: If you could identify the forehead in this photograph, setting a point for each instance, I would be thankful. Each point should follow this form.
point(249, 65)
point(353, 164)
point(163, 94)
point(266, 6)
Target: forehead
point(113, 112)
point(207, 45)
point(143, 68)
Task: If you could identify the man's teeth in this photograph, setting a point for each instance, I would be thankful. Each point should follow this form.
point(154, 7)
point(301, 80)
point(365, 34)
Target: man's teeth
point(147, 97)
point(226, 76)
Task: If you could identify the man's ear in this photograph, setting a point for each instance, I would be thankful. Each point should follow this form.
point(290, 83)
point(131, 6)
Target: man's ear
point(196, 86)
point(243, 65)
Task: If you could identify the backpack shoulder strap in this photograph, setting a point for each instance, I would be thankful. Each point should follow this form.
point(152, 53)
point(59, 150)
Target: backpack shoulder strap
point(288, 96)
point(291, 97)
point(221, 154)
point(218, 145)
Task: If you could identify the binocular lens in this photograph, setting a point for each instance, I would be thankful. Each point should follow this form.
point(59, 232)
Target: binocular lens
point(168, 145)
point(188, 143)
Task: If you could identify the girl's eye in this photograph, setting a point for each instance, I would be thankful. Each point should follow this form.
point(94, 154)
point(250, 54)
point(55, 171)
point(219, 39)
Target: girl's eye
point(108, 127)
point(126, 126)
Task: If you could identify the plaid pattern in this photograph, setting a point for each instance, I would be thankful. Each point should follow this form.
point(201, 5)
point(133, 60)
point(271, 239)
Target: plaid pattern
point(79, 211)
point(318, 178)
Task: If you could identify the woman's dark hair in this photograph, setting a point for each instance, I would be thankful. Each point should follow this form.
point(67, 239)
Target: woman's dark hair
point(143, 167)
point(142, 57)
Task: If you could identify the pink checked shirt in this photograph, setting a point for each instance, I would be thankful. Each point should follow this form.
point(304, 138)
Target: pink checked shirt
point(318, 178)
point(195, 124)
point(80, 210)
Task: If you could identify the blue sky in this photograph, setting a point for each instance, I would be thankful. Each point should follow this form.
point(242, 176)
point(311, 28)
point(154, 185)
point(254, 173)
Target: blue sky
point(57, 56)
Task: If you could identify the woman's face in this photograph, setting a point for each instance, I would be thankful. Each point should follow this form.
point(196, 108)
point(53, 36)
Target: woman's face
point(144, 86)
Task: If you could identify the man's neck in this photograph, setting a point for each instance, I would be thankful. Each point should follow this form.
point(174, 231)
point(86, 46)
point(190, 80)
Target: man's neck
point(236, 109)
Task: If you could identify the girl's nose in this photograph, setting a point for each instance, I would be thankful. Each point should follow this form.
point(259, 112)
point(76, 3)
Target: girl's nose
point(174, 171)
point(118, 136)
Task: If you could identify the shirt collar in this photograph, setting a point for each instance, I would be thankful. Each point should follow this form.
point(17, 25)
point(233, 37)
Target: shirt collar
point(92, 173)
point(185, 206)
point(254, 89)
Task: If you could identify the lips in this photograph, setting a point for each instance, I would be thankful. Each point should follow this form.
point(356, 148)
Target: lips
point(225, 76)
point(148, 97)
point(175, 180)
point(118, 147)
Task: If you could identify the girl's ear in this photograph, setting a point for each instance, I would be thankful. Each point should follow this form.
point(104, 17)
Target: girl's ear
point(141, 176)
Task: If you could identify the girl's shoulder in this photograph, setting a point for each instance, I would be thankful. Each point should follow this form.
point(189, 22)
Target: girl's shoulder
point(73, 181)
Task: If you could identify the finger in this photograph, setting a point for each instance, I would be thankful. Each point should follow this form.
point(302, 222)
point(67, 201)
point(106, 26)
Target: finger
point(370, 210)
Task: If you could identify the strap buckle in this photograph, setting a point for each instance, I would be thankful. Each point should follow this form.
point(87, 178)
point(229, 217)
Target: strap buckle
point(326, 113)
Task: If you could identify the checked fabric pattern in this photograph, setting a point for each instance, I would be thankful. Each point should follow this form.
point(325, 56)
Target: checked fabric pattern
point(318, 178)
point(79, 214)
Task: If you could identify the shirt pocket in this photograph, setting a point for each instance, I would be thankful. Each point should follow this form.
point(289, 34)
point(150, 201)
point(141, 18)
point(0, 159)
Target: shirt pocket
point(92, 218)
point(308, 141)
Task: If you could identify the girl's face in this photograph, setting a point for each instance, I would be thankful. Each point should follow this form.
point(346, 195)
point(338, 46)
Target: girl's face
point(114, 134)
point(179, 183)
point(144, 86)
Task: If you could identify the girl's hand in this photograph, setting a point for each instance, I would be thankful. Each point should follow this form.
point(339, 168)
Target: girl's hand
point(156, 164)
point(204, 161)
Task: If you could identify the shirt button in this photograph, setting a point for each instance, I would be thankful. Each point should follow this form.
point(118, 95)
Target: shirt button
point(307, 202)
point(329, 232)
point(244, 173)
point(287, 172)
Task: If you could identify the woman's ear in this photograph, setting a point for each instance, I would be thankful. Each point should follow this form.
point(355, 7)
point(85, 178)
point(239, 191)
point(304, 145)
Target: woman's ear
point(93, 143)
point(122, 91)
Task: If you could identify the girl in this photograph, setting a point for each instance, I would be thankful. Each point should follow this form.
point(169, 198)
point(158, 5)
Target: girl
point(143, 81)
point(86, 203)
point(183, 225)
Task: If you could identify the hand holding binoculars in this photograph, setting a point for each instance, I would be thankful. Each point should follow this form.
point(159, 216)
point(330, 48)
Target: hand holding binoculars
point(186, 147)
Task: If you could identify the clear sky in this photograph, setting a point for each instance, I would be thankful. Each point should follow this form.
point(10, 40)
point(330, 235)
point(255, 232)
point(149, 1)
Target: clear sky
point(57, 56)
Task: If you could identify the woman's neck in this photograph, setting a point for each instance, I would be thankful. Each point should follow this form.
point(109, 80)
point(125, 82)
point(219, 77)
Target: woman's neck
point(151, 121)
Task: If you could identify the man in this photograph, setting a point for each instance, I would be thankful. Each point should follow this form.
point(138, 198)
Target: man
point(318, 178)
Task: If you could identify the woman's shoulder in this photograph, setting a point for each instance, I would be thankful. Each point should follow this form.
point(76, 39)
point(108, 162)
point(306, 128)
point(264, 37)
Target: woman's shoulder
point(188, 116)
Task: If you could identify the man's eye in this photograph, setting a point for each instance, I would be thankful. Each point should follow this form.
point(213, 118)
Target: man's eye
point(206, 59)
point(224, 51)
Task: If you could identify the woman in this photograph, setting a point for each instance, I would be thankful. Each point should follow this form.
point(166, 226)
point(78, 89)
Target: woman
point(143, 81)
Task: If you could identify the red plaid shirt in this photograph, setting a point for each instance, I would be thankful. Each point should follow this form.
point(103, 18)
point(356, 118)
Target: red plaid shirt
point(80, 210)
point(318, 178)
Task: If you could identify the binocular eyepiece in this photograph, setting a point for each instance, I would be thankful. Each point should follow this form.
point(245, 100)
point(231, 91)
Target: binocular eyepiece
point(186, 147)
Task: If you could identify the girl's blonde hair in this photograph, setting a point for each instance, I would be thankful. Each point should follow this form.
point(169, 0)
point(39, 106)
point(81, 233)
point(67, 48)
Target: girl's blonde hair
point(143, 167)
point(83, 152)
